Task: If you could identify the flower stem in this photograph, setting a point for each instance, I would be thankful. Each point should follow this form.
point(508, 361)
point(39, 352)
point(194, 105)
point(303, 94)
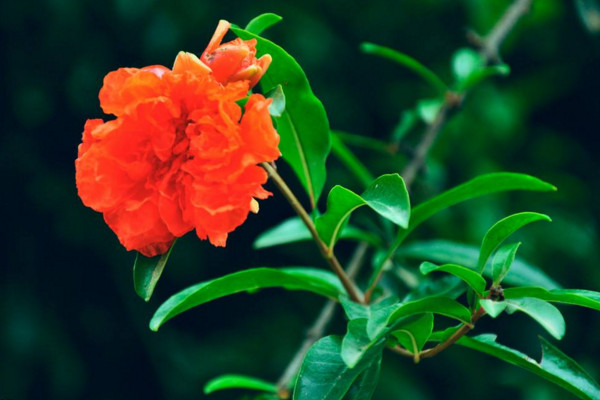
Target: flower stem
point(331, 259)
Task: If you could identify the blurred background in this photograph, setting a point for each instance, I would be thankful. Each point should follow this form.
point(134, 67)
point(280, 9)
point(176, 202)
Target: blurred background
point(71, 326)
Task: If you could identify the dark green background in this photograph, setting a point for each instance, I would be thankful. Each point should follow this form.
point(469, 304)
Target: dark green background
point(71, 326)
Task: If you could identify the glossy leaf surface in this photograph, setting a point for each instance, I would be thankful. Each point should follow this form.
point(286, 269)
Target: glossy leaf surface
point(238, 382)
point(503, 260)
point(314, 280)
point(472, 278)
point(264, 21)
point(147, 272)
point(436, 305)
point(543, 312)
point(578, 297)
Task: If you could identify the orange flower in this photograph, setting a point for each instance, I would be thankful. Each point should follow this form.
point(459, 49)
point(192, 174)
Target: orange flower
point(181, 153)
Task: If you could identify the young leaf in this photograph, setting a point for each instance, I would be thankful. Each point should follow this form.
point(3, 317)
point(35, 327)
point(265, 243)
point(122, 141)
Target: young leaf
point(503, 229)
point(351, 162)
point(502, 262)
point(147, 272)
point(428, 109)
point(238, 382)
point(543, 312)
point(365, 142)
point(436, 305)
point(482, 185)
point(493, 308)
point(443, 251)
point(293, 230)
point(408, 120)
point(472, 278)
point(314, 280)
point(264, 21)
point(555, 366)
point(277, 107)
point(303, 126)
point(387, 196)
point(324, 375)
point(364, 386)
point(465, 62)
point(376, 314)
point(356, 343)
point(414, 332)
point(406, 61)
point(483, 74)
point(578, 297)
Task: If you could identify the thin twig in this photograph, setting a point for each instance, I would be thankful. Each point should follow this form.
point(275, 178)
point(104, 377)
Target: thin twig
point(317, 329)
point(331, 259)
point(490, 46)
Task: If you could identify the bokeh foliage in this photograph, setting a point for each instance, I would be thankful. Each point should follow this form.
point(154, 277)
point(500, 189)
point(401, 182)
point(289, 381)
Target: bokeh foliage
point(71, 325)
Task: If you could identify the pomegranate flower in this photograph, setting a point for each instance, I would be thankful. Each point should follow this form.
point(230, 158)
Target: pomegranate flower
point(181, 154)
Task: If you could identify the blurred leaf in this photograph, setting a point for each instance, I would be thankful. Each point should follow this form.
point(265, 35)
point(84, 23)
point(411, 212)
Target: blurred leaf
point(238, 382)
point(483, 74)
point(465, 62)
point(264, 21)
point(364, 142)
point(428, 109)
point(502, 262)
point(416, 328)
point(482, 185)
point(493, 308)
point(443, 251)
point(408, 120)
point(407, 62)
point(436, 305)
point(324, 375)
point(543, 312)
point(351, 162)
point(314, 280)
point(277, 107)
point(147, 272)
point(502, 230)
point(366, 383)
point(303, 126)
point(472, 278)
point(293, 230)
point(555, 366)
point(387, 196)
point(578, 297)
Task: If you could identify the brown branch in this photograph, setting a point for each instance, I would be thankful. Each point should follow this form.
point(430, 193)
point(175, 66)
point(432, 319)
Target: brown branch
point(316, 331)
point(331, 259)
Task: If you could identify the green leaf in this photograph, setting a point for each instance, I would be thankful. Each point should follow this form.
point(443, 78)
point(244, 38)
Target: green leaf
point(377, 314)
point(428, 109)
point(504, 258)
point(443, 251)
point(472, 278)
point(293, 230)
point(436, 305)
point(325, 376)
point(555, 366)
point(314, 280)
point(493, 308)
point(387, 196)
point(147, 272)
point(303, 126)
point(407, 62)
point(365, 142)
point(543, 312)
point(277, 107)
point(414, 332)
point(264, 21)
point(408, 120)
point(502, 230)
point(465, 62)
point(356, 343)
point(578, 297)
point(366, 383)
point(483, 74)
point(480, 186)
point(238, 382)
point(351, 162)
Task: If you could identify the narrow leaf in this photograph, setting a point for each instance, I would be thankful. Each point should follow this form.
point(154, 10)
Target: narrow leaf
point(293, 230)
point(324, 375)
point(238, 382)
point(364, 142)
point(472, 278)
point(407, 62)
point(147, 272)
point(555, 366)
point(443, 251)
point(259, 24)
point(578, 297)
point(314, 280)
point(502, 230)
point(503, 260)
point(436, 305)
point(303, 126)
point(543, 312)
